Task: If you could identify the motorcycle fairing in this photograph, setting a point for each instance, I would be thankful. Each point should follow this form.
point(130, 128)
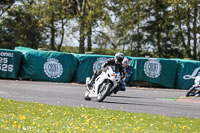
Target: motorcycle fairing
point(100, 79)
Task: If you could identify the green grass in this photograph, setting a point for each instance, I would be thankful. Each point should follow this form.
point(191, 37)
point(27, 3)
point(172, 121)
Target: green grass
point(35, 117)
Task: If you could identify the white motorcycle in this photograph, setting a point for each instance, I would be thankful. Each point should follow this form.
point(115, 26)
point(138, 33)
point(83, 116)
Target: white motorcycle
point(103, 85)
point(195, 89)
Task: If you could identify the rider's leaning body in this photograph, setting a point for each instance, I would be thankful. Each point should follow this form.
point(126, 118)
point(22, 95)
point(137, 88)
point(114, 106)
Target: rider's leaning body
point(116, 67)
point(115, 63)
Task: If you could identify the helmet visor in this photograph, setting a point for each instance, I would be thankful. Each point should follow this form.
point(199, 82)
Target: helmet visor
point(120, 60)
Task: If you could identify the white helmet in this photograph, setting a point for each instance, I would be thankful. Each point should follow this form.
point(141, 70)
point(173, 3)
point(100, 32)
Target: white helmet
point(119, 58)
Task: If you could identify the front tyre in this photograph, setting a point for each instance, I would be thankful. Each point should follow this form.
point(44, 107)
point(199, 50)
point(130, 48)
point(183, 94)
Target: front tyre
point(86, 96)
point(191, 92)
point(103, 91)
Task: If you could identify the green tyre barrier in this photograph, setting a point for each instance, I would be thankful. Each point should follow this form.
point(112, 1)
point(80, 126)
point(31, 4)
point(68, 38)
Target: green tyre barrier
point(47, 65)
point(10, 61)
point(87, 65)
point(187, 71)
point(154, 70)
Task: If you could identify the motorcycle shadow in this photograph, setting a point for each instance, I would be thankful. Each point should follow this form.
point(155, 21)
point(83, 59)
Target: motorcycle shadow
point(127, 103)
point(128, 97)
point(130, 103)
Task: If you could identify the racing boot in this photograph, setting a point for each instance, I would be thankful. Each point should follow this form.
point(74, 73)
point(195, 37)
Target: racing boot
point(123, 87)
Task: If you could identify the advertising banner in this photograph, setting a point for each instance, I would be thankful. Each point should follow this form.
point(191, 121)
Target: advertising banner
point(10, 61)
point(187, 71)
point(155, 70)
point(47, 65)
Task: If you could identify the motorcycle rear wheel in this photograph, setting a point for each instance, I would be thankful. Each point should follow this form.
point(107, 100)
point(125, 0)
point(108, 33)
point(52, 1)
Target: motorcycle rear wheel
point(103, 92)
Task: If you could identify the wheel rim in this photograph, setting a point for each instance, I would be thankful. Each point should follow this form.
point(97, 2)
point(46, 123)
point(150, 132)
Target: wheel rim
point(86, 93)
point(102, 91)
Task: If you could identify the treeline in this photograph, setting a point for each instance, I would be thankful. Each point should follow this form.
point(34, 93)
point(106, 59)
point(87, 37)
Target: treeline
point(157, 28)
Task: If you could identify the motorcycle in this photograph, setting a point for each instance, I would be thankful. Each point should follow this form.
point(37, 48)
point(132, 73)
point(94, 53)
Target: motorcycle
point(195, 89)
point(104, 85)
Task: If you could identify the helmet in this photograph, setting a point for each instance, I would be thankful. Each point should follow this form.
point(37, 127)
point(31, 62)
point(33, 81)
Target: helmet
point(125, 62)
point(119, 58)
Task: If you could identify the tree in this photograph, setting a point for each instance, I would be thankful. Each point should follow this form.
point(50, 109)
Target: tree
point(135, 15)
point(20, 28)
point(195, 18)
point(54, 14)
point(129, 15)
point(187, 25)
point(89, 12)
point(5, 5)
point(158, 26)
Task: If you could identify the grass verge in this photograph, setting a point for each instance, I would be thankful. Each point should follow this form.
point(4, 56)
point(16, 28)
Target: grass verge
point(28, 117)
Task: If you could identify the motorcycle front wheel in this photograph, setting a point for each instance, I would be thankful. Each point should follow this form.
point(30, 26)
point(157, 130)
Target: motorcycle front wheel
point(191, 92)
point(103, 91)
point(86, 96)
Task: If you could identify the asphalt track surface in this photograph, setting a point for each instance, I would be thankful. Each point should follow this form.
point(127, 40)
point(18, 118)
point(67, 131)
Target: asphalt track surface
point(134, 99)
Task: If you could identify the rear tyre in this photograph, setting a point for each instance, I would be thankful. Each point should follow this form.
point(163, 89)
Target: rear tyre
point(103, 92)
point(191, 92)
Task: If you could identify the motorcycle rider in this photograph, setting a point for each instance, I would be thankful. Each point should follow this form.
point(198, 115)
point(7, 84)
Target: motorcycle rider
point(116, 64)
point(197, 84)
point(127, 71)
